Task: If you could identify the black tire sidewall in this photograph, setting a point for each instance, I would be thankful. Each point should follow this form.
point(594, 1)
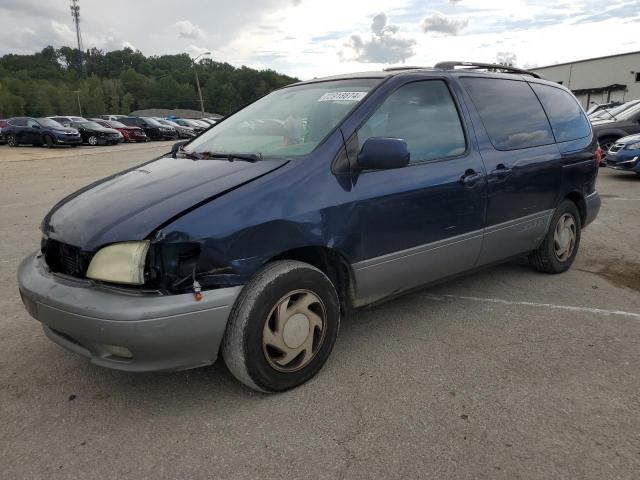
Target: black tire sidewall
point(48, 141)
point(258, 368)
point(558, 266)
point(12, 141)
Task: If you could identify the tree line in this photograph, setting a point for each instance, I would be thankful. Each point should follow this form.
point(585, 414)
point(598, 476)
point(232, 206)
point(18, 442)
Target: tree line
point(120, 81)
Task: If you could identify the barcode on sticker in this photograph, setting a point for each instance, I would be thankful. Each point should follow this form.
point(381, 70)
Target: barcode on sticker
point(342, 96)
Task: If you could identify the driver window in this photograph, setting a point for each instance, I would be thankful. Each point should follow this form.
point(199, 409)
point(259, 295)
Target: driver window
point(32, 123)
point(425, 116)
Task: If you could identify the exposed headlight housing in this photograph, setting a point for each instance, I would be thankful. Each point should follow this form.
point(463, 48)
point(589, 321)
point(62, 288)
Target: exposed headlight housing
point(634, 146)
point(120, 263)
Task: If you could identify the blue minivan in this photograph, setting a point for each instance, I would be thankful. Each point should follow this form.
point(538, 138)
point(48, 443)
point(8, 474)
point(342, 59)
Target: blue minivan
point(254, 239)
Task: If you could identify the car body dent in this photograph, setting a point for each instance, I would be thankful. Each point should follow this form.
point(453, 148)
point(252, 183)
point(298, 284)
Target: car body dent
point(131, 205)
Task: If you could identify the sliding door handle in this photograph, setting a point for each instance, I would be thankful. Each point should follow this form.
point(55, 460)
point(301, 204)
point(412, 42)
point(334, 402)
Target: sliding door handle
point(501, 171)
point(470, 178)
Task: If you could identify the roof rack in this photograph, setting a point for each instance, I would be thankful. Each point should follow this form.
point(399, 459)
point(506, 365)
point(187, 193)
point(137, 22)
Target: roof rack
point(408, 67)
point(485, 66)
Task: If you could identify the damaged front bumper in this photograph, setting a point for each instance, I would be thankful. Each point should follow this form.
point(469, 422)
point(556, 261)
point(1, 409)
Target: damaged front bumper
point(122, 330)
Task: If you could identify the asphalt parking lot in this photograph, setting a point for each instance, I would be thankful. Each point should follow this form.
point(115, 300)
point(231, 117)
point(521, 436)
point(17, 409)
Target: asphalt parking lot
point(507, 373)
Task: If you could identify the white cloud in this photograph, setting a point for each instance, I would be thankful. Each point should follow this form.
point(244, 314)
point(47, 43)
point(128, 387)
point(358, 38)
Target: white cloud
point(386, 45)
point(186, 29)
point(439, 23)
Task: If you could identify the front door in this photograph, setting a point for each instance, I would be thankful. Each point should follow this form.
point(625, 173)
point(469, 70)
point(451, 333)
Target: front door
point(423, 222)
point(32, 133)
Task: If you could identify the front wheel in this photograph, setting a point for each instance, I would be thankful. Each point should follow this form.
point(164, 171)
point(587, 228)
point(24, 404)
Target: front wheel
point(93, 140)
point(48, 141)
point(560, 245)
point(282, 327)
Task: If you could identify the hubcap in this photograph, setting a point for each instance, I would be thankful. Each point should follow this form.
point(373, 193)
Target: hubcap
point(294, 330)
point(564, 237)
point(93, 140)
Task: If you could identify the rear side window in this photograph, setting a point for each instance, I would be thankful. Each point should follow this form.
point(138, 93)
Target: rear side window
point(568, 121)
point(510, 112)
point(17, 122)
point(425, 116)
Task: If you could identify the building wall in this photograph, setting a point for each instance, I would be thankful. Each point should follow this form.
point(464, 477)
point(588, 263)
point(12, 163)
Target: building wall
point(602, 72)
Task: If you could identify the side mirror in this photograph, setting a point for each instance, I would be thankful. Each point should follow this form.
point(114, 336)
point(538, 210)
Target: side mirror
point(382, 153)
point(176, 147)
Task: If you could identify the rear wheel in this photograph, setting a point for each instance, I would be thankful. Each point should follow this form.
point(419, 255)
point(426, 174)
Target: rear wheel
point(282, 328)
point(560, 245)
point(12, 141)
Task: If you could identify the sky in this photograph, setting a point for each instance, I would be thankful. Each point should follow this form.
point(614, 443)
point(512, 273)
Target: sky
point(314, 38)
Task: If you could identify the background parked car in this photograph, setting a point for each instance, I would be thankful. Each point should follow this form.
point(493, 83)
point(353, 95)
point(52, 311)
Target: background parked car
point(113, 117)
point(129, 134)
point(3, 123)
point(154, 129)
point(39, 131)
point(186, 122)
point(95, 134)
point(609, 131)
point(611, 113)
point(596, 107)
point(625, 154)
point(183, 132)
point(67, 121)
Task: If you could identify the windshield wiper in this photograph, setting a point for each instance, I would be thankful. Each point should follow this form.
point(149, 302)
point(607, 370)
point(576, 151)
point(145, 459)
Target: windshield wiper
point(247, 157)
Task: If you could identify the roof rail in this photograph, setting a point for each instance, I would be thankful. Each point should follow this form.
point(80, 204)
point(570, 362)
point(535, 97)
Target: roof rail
point(484, 66)
point(408, 67)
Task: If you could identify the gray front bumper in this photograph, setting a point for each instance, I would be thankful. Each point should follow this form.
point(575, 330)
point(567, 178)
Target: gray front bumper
point(163, 332)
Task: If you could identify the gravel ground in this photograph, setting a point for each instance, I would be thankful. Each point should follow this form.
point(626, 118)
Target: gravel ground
point(504, 374)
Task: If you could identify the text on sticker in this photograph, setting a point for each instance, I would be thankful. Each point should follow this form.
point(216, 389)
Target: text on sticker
point(342, 96)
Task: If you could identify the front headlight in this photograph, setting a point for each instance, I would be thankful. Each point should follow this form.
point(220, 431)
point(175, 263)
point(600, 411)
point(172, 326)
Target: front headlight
point(120, 263)
point(634, 146)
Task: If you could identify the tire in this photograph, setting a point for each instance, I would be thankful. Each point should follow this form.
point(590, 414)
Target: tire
point(48, 141)
point(248, 347)
point(550, 257)
point(92, 140)
point(12, 141)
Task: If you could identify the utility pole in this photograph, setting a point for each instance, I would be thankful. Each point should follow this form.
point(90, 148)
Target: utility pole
point(77, 92)
point(75, 14)
point(198, 81)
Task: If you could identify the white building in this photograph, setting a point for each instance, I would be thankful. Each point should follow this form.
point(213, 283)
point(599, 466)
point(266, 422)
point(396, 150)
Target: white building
point(599, 80)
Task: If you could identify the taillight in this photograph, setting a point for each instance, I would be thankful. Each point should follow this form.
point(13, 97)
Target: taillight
point(598, 156)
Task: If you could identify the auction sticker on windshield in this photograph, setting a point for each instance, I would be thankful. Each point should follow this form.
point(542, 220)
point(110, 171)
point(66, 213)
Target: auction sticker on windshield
point(342, 96)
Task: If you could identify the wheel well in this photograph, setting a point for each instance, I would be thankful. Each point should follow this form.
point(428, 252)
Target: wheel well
point(332, 264)
point(578, 199)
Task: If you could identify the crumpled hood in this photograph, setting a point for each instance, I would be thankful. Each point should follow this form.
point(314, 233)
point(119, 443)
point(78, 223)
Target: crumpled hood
point(130, 205)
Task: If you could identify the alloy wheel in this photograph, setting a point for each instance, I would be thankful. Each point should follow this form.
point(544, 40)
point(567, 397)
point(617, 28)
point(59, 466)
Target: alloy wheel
point(294, 331)
point(93, 140)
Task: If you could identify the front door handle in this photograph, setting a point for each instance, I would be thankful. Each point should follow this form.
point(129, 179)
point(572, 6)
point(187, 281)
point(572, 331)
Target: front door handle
point(470, 178)
point(501, 171)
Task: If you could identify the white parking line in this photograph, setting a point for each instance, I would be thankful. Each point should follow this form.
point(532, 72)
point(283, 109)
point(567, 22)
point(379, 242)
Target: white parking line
point(570, 308)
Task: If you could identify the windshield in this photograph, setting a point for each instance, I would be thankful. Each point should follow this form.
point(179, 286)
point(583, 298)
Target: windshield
point(47, 122)
point(615, 111)
point(152, 121)
point(288, 122)
point(115, 124)
point(629, 113)
point(92, 125)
